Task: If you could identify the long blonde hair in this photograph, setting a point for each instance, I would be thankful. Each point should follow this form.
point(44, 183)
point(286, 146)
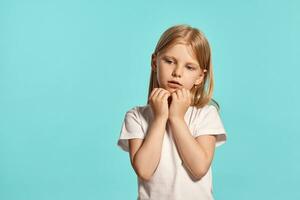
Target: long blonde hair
point(193, 37)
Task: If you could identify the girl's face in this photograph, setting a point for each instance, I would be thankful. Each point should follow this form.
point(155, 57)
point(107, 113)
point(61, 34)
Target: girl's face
point(177, 64)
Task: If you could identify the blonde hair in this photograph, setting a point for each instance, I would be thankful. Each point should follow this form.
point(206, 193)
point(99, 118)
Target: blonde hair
point(193, 37)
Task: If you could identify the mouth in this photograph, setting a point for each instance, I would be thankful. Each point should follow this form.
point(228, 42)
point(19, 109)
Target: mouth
point(174, 84)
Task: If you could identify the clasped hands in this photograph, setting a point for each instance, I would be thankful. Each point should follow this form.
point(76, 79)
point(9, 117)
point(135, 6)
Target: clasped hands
point(180, 100)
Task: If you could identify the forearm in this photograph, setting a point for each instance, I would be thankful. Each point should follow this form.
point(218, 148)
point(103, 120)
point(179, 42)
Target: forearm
point(191, 153)
point(147, 157)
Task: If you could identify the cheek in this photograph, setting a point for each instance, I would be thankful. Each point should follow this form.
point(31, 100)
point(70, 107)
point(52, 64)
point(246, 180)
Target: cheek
point(190, 84)
point(195, 77)
point(164, 70)
point(161, 75)
point(191, 81)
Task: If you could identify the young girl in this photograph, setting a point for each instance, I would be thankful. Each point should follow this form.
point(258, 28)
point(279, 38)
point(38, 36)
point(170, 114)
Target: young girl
point(171, 141)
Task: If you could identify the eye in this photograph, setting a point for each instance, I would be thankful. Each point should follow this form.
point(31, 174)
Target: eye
point(190, 68)
point(168, 61)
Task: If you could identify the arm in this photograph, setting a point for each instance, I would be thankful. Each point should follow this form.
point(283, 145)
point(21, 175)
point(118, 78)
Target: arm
point(145, 154)
point(196, 154)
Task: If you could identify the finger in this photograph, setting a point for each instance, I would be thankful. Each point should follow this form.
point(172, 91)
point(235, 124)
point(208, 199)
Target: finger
point(152, 93)
point(179, 93)
point(174, 96)
point(167, 91)
point(166, 96)
point(190, 97)
point(161, 94)
point(185, 93)
point(156, 94)
point(189, 94)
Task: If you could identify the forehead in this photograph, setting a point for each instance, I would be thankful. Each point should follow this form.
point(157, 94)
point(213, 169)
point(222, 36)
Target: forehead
point(180, 51)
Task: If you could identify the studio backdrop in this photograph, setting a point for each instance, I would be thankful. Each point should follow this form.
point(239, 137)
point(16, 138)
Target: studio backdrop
point(69, 70)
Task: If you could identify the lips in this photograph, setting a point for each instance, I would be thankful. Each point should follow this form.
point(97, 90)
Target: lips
point(174, 84)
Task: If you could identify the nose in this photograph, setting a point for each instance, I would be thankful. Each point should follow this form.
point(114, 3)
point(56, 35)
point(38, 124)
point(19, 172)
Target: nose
point(177, 72)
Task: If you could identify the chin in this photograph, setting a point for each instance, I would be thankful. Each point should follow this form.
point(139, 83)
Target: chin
point(171, 90)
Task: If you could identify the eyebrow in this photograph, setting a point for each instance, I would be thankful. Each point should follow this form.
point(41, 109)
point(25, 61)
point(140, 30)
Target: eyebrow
point(192, 63)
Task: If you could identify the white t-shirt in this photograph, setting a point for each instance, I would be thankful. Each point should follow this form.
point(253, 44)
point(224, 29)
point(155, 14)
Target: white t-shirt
point(171, 181)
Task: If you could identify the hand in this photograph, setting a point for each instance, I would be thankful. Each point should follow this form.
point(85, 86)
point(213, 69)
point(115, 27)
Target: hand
point(181, 100)
point(159, 102)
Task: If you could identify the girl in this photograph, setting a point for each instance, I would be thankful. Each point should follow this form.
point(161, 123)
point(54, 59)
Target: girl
point(171, 140)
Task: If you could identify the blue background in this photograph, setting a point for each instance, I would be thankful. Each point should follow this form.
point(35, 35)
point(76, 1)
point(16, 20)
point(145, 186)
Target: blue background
point(69, 70)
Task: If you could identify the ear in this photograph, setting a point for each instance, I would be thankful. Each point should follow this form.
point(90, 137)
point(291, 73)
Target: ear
point(153, 62)
point(199, 80)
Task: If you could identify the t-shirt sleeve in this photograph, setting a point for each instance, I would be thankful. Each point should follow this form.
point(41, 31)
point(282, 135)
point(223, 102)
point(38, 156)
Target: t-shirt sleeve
point(131, 128)
point(209, 123)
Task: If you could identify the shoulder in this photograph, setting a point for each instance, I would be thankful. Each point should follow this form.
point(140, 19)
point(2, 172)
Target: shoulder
point(201, 112)
point(140, 111)
point(210, 109)
point(207, 114)
point(207, 120)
